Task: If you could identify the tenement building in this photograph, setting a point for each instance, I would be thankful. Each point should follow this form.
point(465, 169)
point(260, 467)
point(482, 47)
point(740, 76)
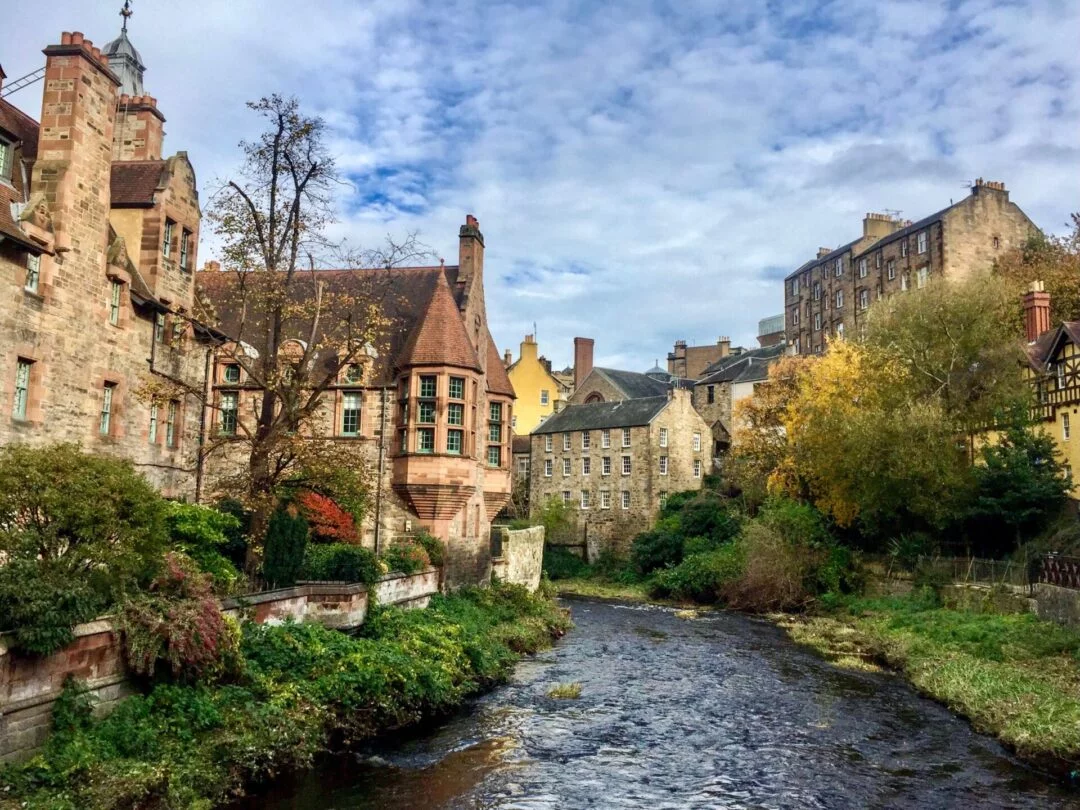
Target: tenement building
point(539, 392)
point(690, 362)
point(98, 239)
point(614, 464)
point(830, 294)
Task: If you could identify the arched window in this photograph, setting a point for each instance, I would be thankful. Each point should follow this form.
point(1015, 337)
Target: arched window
point(595, 396)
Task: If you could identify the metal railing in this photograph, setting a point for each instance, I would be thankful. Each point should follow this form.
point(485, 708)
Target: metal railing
point(1059, 570)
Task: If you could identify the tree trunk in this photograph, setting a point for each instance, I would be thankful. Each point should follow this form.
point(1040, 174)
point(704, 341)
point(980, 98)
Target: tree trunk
point(261, 498)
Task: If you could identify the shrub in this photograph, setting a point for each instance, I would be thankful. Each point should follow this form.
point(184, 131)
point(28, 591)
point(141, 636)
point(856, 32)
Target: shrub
point(557, 518)
point(436, 552)
point(909, 547)
point(41, 604)
point(235, 547)
point(709, 515)
point(328, 522)
point(559, 563)
point(286, 540)
point(676, 501)
point(660, 548)
point(775, 574)
point(201, 533)
point(700, 577)
point(406, 556)
point(178, 621)
point(796, 522)
point(340, 562)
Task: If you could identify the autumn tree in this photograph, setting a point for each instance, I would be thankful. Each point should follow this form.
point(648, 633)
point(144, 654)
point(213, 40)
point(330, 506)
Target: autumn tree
point(1053, 260)
point(293, 334)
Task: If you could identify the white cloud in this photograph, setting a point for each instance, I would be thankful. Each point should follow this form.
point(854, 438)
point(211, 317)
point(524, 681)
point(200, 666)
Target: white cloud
point(680, 154)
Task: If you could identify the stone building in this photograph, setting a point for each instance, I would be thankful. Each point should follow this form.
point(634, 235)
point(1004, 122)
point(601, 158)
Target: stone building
point(690, 362)
point(616, 462)
point(830, 294)
point(98, 241)
point(596, 384)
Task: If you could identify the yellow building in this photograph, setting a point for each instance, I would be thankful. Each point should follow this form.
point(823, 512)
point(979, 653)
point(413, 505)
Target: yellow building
point(539, 393)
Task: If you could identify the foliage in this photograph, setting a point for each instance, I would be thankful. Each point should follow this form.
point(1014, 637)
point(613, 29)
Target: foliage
point(286, 541)
point(406, 556)
point(77, 533)
point(340, 562)
point(1055, 261)
point(178, 621)
point(329, 523)
point(198, 746)
point(235, 546)
point(709, 515)
point(565, 691)
point(559, 563)
point(201, 533)
point(700, 577)
point(661, 547)
point(433, 546)
point(907, 548)
point(558, 521)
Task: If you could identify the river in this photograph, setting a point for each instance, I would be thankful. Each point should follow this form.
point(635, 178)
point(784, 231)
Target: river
point(720, 711)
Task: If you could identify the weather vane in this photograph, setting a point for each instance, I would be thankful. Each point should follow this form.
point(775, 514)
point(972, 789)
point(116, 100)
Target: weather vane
point(126, 12)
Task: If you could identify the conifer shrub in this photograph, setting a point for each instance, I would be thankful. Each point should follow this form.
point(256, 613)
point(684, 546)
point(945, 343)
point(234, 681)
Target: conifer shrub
point(340, 562)
point(286, 542)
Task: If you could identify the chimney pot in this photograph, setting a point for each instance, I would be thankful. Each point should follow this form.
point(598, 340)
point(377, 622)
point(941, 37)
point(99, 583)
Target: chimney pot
point(65, 38)
point(76, 38)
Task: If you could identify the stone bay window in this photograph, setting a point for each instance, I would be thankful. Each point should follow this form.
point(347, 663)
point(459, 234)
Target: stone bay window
point(435, 412)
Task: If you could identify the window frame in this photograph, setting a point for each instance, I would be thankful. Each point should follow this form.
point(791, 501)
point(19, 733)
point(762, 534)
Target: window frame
point(356, 411)
point(697, 468)
point(545, 397)
point(605, 499)
point(167, 238)
point(663, 434)
point(605, 438)
point(7, 159)
point(24, 371)
point(171, 411)
point(627, 465)
point(1066, 427)
point(229, 421)
point(32, 283)
point(424, 433)
point(116, 293)
point(605, 465)
point(566, 467)
point(549, 467)
point(108, 395)
point(663, 464)
point(185, 248)
point(459, 384)
point(922, 244)
point(497, 451)
point(585, 500)
point(586, 465)
point(624, 498)
point(548, 443)
point(697, 441)
point(862, 268)
point(423, 381)
point(626, 437)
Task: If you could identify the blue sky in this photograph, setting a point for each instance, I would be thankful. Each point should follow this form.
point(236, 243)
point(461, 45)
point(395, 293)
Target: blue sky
point(642, 171)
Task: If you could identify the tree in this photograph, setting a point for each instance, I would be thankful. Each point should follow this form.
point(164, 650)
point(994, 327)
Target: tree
point(1053, 260)
point(293, 333)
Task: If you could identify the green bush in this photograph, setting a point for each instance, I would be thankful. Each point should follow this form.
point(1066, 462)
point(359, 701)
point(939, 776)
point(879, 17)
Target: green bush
point(202, 534)
point(406, 556)
point(700, 577)
point(562, 564)
point(709, 515)
point(340, 562)
point(661, 547)
point(286, 541)
point(235, 547)
point(558, 521)
point(796, 522)
point(436, 552)
point(676, 501)
point(41, 603)
point(909, 547)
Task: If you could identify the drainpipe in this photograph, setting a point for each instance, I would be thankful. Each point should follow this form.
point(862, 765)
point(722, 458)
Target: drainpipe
point(200, 461)
point(379, 478)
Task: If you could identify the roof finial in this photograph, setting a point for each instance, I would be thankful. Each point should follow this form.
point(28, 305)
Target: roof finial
point(126, 12)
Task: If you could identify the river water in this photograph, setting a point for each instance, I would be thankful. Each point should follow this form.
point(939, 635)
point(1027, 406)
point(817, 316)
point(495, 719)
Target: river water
point(721, 711)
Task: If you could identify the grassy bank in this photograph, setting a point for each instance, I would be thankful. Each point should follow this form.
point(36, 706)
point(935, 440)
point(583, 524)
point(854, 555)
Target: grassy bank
point(301, 690)
point(598, 587)
point(1013, 676)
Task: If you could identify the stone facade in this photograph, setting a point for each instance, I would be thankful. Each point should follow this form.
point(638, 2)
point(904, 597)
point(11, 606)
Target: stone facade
point(690, 362)
point(829, 295)
point(521, 556)
point(616, 475)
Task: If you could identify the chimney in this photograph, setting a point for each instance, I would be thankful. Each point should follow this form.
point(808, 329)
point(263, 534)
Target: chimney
point(1036, 312)
point(508, 358)
point(981, 186)
point(470, 251)
point(725, 346)
point(138, 134)
point(879, 225)
point(583, 354)
point(823, 251)
point(528, 348)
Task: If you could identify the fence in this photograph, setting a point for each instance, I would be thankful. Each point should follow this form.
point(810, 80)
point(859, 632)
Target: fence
point(1061, 571)
point(1052, 569)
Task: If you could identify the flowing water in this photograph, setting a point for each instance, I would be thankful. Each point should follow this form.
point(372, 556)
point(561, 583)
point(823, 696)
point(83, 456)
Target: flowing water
point(721, 711)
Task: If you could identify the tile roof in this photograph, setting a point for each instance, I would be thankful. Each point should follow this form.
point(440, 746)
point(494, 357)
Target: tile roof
point(441, 339)
point(134, 182)
point(1042, 351)
point(20, 126)
point(497, 380)
point(632, 384)
point(24, 130)
point(597, 415)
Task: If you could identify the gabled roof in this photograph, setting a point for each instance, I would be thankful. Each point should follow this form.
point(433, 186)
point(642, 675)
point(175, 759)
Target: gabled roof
point(135, 182)
point(497, 380)
point(1042, 351)
point(830, 256)
point(19, 126)
point(440, 339)
point(632, 384)
point(519, 445)
point(599, 415)
point(752, 364)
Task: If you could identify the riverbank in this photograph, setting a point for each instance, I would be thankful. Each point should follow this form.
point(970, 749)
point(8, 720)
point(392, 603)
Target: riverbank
point(299, 690)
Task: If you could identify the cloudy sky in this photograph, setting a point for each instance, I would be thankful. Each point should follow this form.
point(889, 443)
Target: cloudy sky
point(642, 171)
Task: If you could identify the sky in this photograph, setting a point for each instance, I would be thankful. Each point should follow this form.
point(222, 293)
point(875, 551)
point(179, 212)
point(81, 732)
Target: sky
point(642, 171)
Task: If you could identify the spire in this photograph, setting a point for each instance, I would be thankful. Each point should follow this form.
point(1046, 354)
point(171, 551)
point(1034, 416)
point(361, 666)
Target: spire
point(124, 59)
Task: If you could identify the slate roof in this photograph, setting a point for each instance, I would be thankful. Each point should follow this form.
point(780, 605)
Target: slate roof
point(751, 365)
point(1042, 351)
point(134, 182)
point(519, 445)
point(830, 256)
point(598, 415)
point(632, 384)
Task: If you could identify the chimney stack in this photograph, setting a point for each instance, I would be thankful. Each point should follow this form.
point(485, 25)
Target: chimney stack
point(725, 346)
point(508, 358)
point(823, 251)
point(470, 251)
point(1036, 312)
point(583, 359)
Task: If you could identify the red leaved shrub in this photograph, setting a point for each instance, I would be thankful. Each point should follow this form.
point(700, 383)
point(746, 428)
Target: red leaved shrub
point(329, 523)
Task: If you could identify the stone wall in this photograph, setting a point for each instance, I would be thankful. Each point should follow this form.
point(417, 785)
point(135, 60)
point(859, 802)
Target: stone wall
point(1061, 605)
point(29, 685)
point(522, 556)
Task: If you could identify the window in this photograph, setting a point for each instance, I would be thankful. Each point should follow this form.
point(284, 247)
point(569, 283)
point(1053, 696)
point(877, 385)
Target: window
point(566, 441)
point(1065, 427)
point(839, 299)
point(903, 247)
point(170, 423)
point(152, 434)
point(840, 331)
point(185, 249)
point(605, 438)
point(626, 465)
point(350, 414)
point(427, 385)
point(354, 373)
point(166, 242)
point(1059, 370)
point(33, 272)
point(115, 290)
point(586, 466)
point(697, 442)
point(228, 413)
point(625, 494)
point(523, 466)
point(494, 455)
point(105, 424)
point(425, 440)
point(547, 468)
point(426, 413)
point(921, 277)
point(547, 443)
point(890, 268)
point(605, 499)
point(566, 467)
point(584, 499)
point(862, 268)
point(903, 281)
point(457, 388)
point(605, 465)
point(232, 373)
point(495, 411)
point(455, 414)
point(710, 392)
point(697, 468)
point(626, 437)
point(22, 387)
point(795, 316)
point(795, 286)
point(817, 291)
point(586, 439)
point(663, 465)
point(7, 159)
point(840, 267)
point(404, 436)
point(663, 437)
point(817, 321)
point(494, 432)
point(544, 396)
point(663, 499)
point(924, 242)
point(566, 496)
point(997, 242)
point(798, 346)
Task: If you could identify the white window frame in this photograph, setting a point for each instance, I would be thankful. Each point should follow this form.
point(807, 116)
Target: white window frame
point(107, 395)
point(584, 499)
point(817, 291)
point(627, 465)
point(839, 267)
point(229, 412)
point(904, 282)
point(566, 496)
point(166, 242)
point(152, 433)
point(566, 467)
point(817, 321)
point(544, 396)
point(586, 439)
point(624, 499)
point(862, 268)
point(795, 316)
point(547, 443)
point(923, 245)
point(24, 370)
point(605, 438)
point(697, 442)
point(33, 272)
point(605, 465)
point(7, 159)
point(903, 247)
point(663, 437)
point(626, 437)
point(548, 467)
point(586, 465)
point(922, 275)
point(839, 299)
point(697, 468)
point(566, 441)
point(357, 398)
point(170, 423)
point(605, 499)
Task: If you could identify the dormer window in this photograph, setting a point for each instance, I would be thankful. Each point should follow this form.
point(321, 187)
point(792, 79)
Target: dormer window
point(7, 159)
point(354, 373)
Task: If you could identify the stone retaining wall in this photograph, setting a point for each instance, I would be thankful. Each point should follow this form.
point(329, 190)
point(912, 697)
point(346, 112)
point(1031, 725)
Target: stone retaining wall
point(522, 556)
point(29, 685)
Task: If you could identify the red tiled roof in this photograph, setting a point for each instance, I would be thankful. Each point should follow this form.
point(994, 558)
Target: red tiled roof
point(134, 182)
point(22, 127)
point(441, 339)
point(497, 380)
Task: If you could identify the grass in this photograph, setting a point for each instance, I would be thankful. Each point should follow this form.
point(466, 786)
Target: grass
point(565, 691)
point(1013, 676)
point(602, 589)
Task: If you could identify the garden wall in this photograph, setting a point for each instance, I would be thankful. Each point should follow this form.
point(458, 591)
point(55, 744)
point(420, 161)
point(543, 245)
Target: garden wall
point(522, 556)
point(29, 685)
